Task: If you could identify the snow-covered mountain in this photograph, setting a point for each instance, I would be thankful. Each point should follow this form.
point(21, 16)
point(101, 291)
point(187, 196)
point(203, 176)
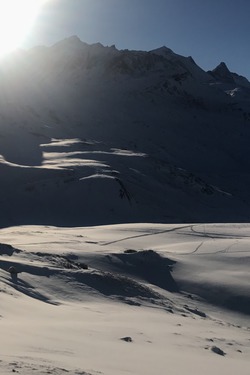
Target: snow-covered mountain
point(236, 86)
point(92, 135)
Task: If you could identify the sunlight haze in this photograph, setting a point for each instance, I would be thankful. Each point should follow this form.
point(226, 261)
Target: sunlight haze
point(209, 31)
point(124, 187)
point(16, 20)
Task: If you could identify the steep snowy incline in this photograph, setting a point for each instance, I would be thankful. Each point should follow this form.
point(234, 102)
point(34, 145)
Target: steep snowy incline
point(156, 137)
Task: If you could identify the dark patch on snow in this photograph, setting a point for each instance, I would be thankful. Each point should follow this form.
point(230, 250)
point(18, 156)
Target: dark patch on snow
point(196, 311)
point(127, 339)
point(218, 351)
point(130, 251)
point(149, 266)
point(6, 249)
point(111, 284)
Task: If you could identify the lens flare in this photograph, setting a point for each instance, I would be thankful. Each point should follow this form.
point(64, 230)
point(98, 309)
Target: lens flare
point(16, 20)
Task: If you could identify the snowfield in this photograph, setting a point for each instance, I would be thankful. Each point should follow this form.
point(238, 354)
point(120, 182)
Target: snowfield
point(97, 146)
point(136, 299)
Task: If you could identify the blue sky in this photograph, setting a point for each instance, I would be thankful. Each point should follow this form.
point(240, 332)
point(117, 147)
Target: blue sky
point(208, 30)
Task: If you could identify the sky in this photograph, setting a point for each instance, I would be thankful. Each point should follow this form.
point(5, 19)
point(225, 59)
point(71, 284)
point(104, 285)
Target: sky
point(210, 31)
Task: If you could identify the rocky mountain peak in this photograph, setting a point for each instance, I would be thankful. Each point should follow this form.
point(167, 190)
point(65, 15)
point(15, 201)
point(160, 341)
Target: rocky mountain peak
point(222, 73)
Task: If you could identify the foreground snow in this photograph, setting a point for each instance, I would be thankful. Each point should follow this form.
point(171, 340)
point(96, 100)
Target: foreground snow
point(125, 299)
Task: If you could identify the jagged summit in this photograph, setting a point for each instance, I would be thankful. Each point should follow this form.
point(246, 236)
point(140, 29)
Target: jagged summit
point(222, 73)
point(233, 84)
point(75, 42)
point(74, 38)
point(71, 42)
point(190, 58)
point(132, 60)
point(222, 66)
point(162, 51)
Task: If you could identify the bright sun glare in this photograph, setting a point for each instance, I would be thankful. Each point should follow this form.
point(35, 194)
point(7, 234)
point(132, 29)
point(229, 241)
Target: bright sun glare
point(16, 20)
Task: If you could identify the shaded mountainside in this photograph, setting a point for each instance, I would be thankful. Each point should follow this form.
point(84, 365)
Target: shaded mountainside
point(92, 135)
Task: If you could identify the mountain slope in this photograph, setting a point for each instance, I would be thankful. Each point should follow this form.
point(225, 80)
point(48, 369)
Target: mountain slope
point(90, 134)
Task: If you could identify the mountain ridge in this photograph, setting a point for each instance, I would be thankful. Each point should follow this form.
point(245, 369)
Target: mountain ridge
point(93, 135)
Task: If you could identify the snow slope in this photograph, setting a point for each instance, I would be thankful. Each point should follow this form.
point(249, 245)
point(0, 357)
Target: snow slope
point(93, 135)
point(134, 298)
point(90, 135)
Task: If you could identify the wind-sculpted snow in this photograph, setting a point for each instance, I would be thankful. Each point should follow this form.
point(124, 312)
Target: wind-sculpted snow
point(90, 182)
point(29, 366)
point(218, 255)
point(84, 300)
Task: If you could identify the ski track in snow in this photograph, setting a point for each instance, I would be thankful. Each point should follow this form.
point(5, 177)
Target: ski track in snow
point(145, 235)
point(141, 297)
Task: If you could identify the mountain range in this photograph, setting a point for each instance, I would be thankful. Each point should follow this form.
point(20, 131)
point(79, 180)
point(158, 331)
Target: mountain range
point(124, 221)
point(95, 135)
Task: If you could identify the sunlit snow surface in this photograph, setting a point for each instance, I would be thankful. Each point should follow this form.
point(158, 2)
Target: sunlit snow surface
point(125, 299)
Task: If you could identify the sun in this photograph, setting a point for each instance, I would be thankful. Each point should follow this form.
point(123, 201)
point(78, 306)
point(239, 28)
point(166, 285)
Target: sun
point(16, 20)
